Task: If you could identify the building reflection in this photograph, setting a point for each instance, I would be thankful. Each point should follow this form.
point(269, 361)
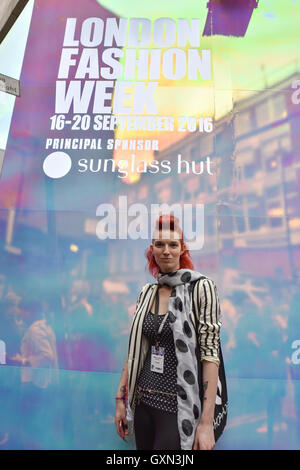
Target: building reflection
point(251, 200)
point(89, 286)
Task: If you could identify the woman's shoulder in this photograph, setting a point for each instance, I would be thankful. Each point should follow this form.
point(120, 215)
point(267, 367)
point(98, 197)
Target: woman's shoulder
point(148, 285)
point(202, 283)
point(145, 289)
point(203, 279)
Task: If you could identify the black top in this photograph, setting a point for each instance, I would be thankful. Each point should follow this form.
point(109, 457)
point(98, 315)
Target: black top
point(165, 382)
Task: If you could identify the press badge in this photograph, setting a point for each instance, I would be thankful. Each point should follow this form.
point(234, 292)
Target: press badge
point(157, 359)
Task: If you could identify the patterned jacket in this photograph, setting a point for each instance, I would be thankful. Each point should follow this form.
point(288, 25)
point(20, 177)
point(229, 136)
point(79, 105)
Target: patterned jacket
point(205, 304)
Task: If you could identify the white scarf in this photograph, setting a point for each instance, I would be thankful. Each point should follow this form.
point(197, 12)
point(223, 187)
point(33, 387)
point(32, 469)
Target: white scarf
point(189, 404)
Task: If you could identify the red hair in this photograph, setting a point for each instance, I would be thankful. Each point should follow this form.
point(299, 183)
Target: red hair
point(169, 222)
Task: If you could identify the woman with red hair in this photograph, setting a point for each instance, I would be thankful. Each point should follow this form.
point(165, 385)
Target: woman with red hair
point(174, 335)
point(169, 222)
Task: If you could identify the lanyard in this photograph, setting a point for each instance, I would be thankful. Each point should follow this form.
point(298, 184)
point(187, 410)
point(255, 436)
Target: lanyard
point(158, 330)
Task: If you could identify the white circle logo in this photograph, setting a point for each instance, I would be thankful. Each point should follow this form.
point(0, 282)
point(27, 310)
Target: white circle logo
point(57, 164)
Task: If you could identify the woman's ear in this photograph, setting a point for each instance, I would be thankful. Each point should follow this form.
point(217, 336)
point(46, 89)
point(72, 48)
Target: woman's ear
point(183, 248)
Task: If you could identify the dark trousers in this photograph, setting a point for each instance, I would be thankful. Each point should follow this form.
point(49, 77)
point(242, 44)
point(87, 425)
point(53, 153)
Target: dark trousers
point(155, 429)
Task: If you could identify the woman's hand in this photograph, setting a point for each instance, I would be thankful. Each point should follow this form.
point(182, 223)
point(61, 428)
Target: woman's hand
point(204, 437)
point(120, 419)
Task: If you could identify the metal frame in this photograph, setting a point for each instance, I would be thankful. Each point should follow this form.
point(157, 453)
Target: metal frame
point(12, 18)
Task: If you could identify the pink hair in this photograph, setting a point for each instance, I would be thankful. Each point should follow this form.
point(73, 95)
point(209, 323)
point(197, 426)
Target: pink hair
point(168, 222)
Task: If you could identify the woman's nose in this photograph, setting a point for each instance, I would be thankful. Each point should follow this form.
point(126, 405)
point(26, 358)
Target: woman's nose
point(166, 248)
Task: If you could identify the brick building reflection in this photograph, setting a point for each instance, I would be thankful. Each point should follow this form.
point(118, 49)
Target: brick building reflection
point(251, 200)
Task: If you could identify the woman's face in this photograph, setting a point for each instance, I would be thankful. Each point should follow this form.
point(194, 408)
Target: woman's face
point(166, 249)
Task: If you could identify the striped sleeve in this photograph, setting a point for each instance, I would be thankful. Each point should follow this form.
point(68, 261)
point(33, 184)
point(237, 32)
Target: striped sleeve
point(140, 298)
point(137, 308)
point(210, 322)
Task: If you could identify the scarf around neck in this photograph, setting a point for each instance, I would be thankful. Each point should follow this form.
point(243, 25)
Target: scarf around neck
point(189, 405)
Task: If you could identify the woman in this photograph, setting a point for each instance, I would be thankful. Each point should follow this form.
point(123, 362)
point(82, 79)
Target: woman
point(161, 366)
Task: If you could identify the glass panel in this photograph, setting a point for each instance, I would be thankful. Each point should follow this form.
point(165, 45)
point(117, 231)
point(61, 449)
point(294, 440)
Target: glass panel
point(75, 246)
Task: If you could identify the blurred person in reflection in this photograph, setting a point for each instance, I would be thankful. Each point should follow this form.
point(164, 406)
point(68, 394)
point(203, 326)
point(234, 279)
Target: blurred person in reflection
point(39, 375)
point(88, 337)
point(260, 338)
point(113, 311)
point(80, 326)
point(38, 347)
point(293, 345)
point(11, 332)
point(272, 364)
point(12, 326)
point(161, 365)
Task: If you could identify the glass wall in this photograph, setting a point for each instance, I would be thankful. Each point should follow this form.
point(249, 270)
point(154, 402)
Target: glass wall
point(78, 193)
